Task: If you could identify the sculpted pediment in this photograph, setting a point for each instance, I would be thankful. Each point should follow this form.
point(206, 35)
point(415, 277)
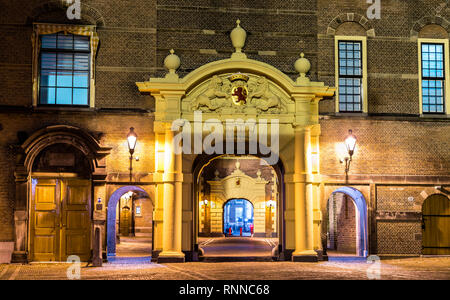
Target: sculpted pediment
point(237, 93)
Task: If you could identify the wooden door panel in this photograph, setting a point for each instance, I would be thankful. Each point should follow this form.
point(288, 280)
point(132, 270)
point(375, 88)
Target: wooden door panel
point(44, 243)
point(76, 244)
point(76, 218)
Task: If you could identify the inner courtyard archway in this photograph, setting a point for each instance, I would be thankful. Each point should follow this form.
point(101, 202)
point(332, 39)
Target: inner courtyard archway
point(238, 193)
point(238, 218)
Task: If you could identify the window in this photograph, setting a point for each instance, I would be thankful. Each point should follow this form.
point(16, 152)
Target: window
point(433, 78)
point(351, 77)
point(64, 65)
point(64, 69)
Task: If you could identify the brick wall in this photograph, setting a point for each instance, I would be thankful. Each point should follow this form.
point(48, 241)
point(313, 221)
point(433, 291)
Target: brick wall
point(342, 224)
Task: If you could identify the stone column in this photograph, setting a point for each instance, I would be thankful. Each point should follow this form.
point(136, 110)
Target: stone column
point(309, 225)
point(157, 225)
point(172, 214)
point(304, 237)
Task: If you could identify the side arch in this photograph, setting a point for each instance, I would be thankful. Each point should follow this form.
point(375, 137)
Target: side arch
point(429, 20)
point(111, 215)
point(351, 17)
point(361, 205)
point(63, 134)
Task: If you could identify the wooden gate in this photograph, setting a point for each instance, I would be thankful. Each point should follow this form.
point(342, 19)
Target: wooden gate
point(60, 219)
point(436, 225)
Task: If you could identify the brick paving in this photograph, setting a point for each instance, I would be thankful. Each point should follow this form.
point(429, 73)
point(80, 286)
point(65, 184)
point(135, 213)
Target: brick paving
point(407, 268)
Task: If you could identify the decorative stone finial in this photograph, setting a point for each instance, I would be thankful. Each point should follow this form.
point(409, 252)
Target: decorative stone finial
point(302, 65)
point(238, 37)
point(172, 62)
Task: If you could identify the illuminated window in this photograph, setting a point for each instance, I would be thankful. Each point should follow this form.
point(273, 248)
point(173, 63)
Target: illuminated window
point(64, 69)
point(433, 78)
point(351, 77)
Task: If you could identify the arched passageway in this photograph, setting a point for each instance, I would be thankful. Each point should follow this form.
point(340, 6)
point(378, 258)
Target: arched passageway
point(121, 202)
point(347, 223)
point(238, 192)
point(238, 218)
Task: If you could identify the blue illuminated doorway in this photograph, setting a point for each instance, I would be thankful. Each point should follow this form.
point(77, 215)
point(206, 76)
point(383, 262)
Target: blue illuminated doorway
point(237, 215)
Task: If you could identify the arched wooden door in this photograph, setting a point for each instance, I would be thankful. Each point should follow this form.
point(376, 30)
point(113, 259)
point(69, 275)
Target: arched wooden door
point(436, 225)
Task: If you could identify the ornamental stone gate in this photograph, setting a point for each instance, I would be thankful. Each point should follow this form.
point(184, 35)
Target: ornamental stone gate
point(243, 89)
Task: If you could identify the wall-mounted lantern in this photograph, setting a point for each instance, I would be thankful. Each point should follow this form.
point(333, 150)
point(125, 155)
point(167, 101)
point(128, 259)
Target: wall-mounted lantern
point(350, 144)
point(132, 140)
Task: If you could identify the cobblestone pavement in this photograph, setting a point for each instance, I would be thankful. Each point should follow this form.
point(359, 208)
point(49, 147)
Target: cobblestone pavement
point(408, 268)
point(237, 246)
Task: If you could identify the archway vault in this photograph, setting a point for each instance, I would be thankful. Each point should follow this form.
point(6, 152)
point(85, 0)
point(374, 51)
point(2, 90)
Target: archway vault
point(361, 206)
point(111, 217)
point(232, 88)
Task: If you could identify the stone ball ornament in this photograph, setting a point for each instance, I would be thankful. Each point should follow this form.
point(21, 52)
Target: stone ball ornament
point(302, 65)
point(172, 62)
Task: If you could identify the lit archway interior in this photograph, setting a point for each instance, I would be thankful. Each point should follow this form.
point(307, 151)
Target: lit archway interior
point(235, 191)
point(238, 218)
point(347, 223)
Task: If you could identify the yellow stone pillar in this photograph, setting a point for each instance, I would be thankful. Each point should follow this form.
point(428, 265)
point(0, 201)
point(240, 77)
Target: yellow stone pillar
point(309, 230)
point(304, 232)
point(159, 194)
point(172, 213)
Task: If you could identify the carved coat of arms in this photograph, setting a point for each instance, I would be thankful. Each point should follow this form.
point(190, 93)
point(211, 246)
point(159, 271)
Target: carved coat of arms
point(240, 91)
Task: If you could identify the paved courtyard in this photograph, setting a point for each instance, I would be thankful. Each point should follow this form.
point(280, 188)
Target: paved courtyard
point(137, 268)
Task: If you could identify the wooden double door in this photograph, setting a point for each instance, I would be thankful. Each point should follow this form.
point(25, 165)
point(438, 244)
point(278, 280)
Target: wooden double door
point(436, 225)
point(60, 219)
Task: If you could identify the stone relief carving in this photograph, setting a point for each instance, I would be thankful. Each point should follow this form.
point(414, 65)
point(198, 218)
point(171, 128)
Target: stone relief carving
point(221, 93)
point(262, 97)
point(216, 95)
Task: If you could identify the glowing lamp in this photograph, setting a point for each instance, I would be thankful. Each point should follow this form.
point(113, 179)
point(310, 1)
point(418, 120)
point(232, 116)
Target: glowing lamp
point(131, 139)
point(350, 143)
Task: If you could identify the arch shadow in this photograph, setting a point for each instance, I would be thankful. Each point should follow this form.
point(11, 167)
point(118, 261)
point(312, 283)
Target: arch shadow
point(361, 205)
point(111, 217)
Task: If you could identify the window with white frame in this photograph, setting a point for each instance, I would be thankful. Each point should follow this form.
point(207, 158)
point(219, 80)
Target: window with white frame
point(351, 74)
point(433, 77)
